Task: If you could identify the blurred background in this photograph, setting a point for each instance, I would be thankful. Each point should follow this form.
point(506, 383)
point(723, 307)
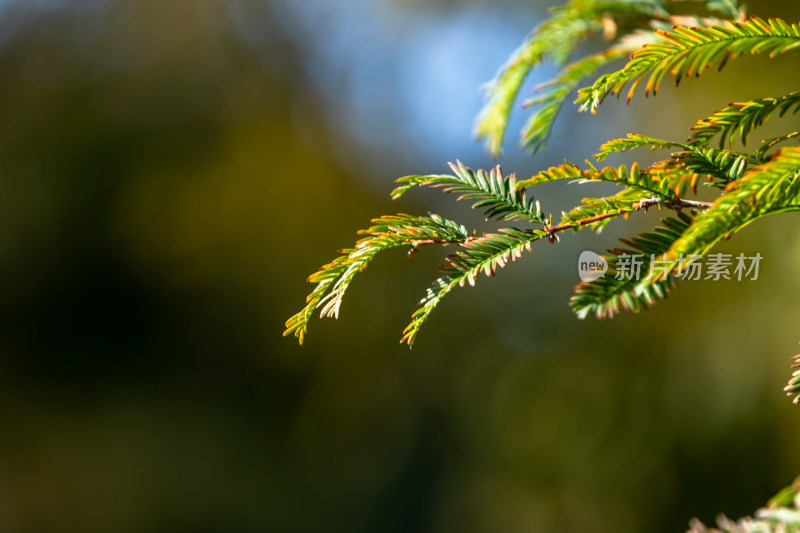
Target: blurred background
point(170, 173)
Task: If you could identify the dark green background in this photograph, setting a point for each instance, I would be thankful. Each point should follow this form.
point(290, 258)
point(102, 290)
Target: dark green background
point(166, 185)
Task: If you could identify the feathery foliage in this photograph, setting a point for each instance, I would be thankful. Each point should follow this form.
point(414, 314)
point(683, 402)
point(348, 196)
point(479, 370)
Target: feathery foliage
point(748, 185)
point(720, 166)
point(485, 254)
point(773, 187)
point(387, 232)
point(633, 141)
point(762, 152)
point(619, 290)
point(690, 51)
point(497, 194)
point(603, 209)
point(553, 94)
point(635, 178)
point(556, 40)
point(619, 21)
point(741, 118)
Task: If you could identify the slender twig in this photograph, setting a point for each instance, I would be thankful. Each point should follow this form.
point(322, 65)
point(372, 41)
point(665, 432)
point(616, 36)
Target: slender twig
point(422, 242)
point(585, 221)
point(676, 204)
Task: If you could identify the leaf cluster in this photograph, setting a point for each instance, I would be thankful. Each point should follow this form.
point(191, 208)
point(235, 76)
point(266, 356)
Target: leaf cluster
point(624, 24)
point(748, 184)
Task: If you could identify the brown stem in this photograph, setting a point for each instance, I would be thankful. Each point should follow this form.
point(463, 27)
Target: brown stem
point(422, 242)
point(585, 221)
point(676, 204)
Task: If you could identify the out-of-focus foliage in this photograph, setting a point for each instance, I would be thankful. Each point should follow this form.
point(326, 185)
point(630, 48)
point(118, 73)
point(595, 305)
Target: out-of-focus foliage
point(556, 40)
point(691, 50)
point(781, 514)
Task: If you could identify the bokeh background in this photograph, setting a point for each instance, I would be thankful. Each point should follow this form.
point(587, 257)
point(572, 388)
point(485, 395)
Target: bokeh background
point(170, 173)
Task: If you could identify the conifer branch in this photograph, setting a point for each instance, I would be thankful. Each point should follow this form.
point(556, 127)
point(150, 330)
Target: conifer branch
point(751, 185)
point(770, 188)
point(619, 289)
point(387, 232)
point(497, 194)
point(721, 166)
point(635, 178)
point(553, 94)
point(556, 40)
point(484, 254)
point(677, 205)
point(741, 118)
point(688, 51)
point(761, 152)
point(562, 32)
point(624, 202)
